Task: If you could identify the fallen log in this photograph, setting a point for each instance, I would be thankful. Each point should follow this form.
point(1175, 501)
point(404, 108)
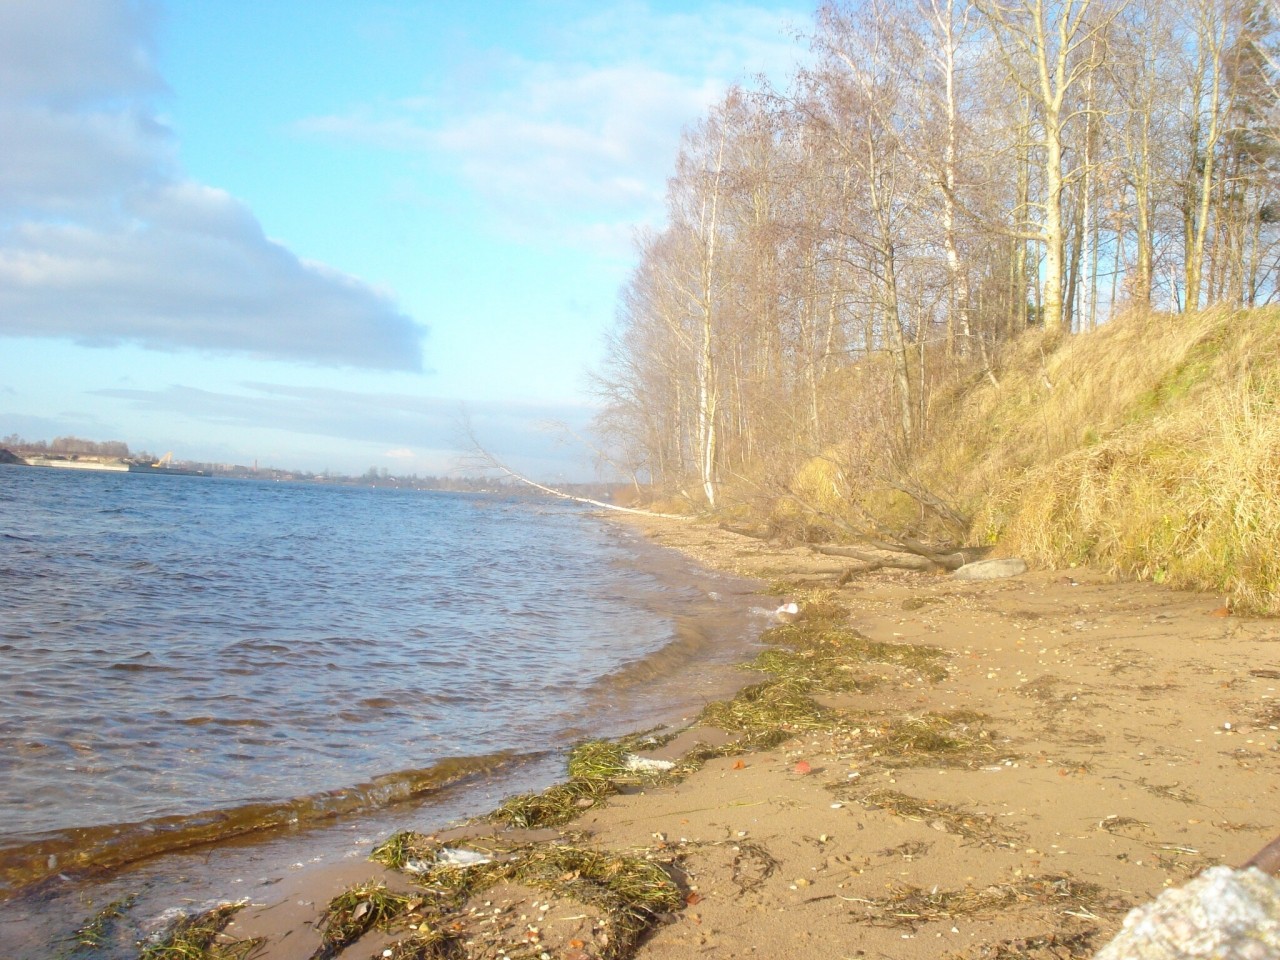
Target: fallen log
point(898, 561)
point(753, 533)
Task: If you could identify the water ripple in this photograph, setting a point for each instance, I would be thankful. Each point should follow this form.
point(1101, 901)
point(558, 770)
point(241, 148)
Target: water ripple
point(173, 646)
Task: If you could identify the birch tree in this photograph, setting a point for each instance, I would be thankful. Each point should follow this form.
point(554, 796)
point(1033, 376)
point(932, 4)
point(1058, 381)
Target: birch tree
point(1046, 46)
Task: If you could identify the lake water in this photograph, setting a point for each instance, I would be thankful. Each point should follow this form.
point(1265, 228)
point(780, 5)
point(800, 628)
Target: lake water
point(186, 659)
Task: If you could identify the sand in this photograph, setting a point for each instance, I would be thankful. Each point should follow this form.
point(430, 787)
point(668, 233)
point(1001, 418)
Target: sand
point(1125, 739)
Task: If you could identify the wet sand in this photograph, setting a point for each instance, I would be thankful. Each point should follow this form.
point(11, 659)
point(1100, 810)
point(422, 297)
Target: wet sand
point(1126, 738)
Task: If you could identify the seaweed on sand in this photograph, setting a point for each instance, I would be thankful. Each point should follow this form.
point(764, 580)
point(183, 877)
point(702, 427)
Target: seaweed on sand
point(767, 713)
point(824, 670)
point(822, 629)
point(630, 892)
point(597, 769)
point(554, 806)
point(949, 738)
point(357, 910)
point(199, 937)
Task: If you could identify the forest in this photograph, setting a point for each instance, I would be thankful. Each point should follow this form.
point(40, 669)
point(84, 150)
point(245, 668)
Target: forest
point(990, 272)
point(882, 296)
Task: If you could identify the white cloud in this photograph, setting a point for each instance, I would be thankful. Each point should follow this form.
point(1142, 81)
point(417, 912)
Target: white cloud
point(580, 144)
point(77, 51)
point(103, 240)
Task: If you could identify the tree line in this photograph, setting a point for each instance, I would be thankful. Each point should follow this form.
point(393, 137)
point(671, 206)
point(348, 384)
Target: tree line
point(939, 177)
point(68, 446)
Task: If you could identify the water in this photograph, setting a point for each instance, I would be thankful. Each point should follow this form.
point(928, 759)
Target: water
point(187, 660)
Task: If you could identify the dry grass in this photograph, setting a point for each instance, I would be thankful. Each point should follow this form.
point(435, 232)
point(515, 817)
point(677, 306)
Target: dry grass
point(911, 906)
point(1156, 455)
point(1149, 447)
point(982, 828)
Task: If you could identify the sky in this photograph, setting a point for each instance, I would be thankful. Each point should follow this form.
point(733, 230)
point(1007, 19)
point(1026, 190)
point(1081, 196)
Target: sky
point(326, 235)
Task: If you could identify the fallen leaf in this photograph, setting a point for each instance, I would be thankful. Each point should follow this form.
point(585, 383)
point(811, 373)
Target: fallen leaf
point(1220, 612)
point(739, 765)
point(693, 897)
point(577, 944)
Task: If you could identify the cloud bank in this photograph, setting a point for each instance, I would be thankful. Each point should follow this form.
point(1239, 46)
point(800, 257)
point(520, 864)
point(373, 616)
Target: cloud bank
point(103, 240)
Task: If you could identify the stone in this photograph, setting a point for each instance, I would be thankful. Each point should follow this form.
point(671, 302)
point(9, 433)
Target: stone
point(991, 569)
point(1223, 914)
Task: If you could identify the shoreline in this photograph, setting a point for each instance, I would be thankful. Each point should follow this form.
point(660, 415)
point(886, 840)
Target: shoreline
point(208, 860)
point(1112, 739)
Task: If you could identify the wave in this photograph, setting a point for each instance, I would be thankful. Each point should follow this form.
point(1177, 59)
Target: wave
point(76, 851)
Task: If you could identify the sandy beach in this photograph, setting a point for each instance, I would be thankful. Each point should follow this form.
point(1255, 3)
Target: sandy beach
point(1069, 747)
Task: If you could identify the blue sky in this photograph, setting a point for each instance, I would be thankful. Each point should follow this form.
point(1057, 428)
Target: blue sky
point(314, 233)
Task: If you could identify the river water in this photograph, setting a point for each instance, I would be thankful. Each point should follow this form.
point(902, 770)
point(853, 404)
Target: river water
point(191, 663)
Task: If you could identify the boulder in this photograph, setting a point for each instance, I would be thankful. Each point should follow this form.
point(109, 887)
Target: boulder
point(991, 569)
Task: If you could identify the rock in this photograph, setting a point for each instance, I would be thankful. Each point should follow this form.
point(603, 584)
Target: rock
point(1222, 914)
point(991, 569)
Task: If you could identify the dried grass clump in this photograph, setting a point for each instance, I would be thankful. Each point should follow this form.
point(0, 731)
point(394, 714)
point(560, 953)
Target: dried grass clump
point(979, 827)
point(911, 906)
point(199, 937)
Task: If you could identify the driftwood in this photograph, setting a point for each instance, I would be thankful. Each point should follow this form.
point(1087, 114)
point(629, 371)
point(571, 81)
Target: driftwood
point(1267, 859)
point(905, 555)
point(875, 561)
point(753, 532)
